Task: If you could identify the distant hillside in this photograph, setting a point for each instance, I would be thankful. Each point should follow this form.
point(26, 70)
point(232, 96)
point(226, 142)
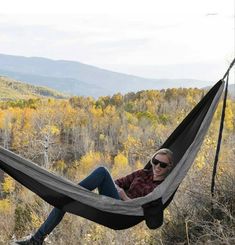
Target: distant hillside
point(12, 89)
point(80, 79)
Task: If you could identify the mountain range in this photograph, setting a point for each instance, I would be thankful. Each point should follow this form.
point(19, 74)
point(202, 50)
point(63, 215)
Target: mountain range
point(75, 78)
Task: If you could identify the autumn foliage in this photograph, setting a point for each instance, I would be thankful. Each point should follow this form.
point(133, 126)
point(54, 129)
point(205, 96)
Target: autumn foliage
point(72, 137)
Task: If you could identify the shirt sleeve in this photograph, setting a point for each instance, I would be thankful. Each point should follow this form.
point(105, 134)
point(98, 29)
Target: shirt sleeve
point(126, 181)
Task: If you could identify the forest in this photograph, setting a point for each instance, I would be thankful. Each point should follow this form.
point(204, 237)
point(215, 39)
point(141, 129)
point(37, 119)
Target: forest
point(71, 137)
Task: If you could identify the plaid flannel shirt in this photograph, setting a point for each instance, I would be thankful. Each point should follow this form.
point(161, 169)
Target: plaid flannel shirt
point(138, 183)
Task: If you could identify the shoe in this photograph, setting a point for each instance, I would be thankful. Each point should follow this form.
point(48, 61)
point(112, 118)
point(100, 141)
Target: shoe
point(29, 241)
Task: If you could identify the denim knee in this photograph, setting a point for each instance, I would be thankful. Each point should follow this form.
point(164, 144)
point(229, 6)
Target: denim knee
point(103, 169)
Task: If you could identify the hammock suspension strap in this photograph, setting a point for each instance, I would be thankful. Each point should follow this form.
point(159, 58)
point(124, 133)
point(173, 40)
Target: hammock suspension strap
point(226, 75)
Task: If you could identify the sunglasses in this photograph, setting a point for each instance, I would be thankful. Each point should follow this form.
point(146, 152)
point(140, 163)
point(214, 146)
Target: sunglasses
point(156, 162)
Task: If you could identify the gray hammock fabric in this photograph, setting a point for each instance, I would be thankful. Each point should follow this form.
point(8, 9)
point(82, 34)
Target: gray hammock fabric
point(185, 142)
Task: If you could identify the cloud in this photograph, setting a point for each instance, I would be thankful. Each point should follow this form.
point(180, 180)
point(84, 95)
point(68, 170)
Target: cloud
point(29, 31)
point(118, 38)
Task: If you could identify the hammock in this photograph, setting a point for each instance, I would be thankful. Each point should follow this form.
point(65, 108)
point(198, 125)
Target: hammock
point(185, 142)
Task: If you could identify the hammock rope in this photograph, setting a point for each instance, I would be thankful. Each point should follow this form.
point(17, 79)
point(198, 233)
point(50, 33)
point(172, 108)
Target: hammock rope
point(215, 165)
point(230, 67)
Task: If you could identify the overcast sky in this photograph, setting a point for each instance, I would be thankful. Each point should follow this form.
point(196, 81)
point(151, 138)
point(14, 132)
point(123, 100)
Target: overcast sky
point(152, 38)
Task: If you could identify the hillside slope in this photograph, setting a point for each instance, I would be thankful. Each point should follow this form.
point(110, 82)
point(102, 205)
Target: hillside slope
point(11, 89)
point(81, 79)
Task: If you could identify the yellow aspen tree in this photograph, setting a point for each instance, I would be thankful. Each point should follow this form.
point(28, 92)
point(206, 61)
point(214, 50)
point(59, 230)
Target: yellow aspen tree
point(96, 112)
point(120, 166)
point(1, 118)
point(22, 130)
point(88, 162)
point(110, 111)
point(132, 144)
point(117, 99)
point(229, 116)
point(60, 166)
point(5, 206)
point(36, 220)
point(8, 185)
point(7, 127)
point(150, 106)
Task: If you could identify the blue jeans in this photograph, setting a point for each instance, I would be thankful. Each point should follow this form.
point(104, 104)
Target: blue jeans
point(100, 178)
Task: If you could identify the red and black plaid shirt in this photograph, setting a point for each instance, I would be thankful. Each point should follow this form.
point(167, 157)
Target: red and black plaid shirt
point(138, 183)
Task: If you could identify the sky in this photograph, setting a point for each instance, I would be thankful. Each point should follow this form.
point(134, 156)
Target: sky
point(151, 38)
